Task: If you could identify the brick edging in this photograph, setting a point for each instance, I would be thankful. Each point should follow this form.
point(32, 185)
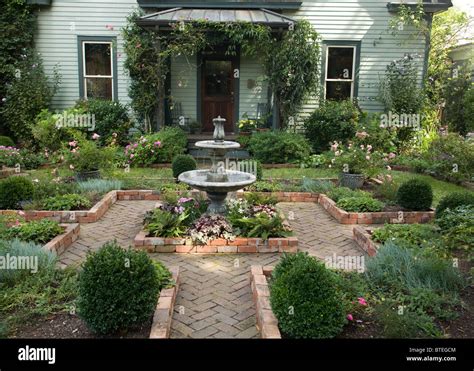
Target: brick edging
point(363, 239)
point(267, 323)
point(161, 326)
point(60, 243)
point(382, 217)
point(219, 245)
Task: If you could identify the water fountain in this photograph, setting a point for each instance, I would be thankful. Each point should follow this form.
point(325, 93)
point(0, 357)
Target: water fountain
point(217, 181)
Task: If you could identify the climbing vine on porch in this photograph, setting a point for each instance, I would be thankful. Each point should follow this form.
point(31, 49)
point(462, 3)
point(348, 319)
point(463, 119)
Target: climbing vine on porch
point(290, 59)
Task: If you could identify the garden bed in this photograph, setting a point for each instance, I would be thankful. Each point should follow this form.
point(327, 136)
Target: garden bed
point(60, 243)
point(5, 172)
point(161, 326)
point(382, 217)
point(267, 323)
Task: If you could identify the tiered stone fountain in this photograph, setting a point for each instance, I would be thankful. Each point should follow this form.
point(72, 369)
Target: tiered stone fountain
point(217, 181)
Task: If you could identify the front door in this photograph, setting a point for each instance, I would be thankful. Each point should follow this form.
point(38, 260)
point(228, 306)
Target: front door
point(217, 92)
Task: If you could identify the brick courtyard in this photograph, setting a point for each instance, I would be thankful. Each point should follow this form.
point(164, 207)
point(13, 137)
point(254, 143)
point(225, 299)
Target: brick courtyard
point(214, 299)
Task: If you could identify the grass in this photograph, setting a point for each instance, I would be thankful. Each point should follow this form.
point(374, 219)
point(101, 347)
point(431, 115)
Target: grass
point(440, 188)
point(151, 178)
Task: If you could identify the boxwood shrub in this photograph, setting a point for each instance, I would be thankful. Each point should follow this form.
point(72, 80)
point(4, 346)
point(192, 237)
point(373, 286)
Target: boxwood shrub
point(305, 299)
point(118, 289)
point(278, 147)
point(183, 163)
point(415, 194)
point(14, 190)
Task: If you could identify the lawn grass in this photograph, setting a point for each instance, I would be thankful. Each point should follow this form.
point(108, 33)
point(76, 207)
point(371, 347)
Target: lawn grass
point(152, 178)
point(440, 188)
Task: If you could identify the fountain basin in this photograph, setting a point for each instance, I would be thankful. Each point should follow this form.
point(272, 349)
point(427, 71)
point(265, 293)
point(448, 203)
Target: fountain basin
point(217, 191)
point(236, 180)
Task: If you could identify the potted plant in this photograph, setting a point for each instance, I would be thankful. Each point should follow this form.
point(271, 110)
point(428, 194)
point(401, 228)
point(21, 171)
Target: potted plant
point(86, 159)
point(356, 163)
point(246, 125)
point(195, 127)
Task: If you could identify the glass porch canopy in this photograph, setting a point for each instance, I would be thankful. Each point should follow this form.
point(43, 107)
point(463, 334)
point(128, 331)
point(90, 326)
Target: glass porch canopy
point(260, 16)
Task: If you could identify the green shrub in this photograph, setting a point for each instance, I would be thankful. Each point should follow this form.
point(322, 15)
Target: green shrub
point(14, 190)
point(99, 186)
point(264, 186)
point(458, 96)
point(182, 163)
point(10, 157)
point(261, 226)
point(47, 134)
point(457, 228)
point(277, 147)
point(415, 194)
point(66, 202)
point(37, 231)
point(453, 200)
point(159, 147)
point(337, 193)
point(90, 157)
point(451, 157)
point(413, 234)
point(118, 289)
point(360, 204)
point(305, 299)
point(251, 166)
point(396, 268)
point(27, 95)
point(6, 141)
point(111, 119)
point(45, 188)
point(255, 198)
point(332, 121)
point(31, 160)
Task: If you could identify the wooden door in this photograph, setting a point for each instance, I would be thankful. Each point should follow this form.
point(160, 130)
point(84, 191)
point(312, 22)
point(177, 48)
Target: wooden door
point(217, 92)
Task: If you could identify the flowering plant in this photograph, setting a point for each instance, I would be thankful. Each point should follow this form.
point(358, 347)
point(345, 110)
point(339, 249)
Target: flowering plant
point(84, 155)
point(143, 152)
point(9, 156)
point(210, 227)
point(354, 159)
point(246, 124)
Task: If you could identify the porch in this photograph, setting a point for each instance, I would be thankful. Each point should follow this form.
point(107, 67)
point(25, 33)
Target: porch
point(215, 82)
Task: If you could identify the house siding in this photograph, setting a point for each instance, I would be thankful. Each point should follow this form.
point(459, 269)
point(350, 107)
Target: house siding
point(56, 40)
point(366, 21)
point(353, 20)
point(183, 75)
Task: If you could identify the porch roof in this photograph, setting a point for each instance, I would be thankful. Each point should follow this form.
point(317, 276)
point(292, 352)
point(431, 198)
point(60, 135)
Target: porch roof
point(260, 16)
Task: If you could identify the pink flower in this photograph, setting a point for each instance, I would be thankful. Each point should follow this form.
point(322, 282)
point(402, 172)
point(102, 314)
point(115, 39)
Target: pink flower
point(132, 155)
point(95, 136)
point(361, 301)
point(157, 143)
point(369, 147)
point(73, 143)
point(361, 134)
point(21, 213)
point(350, 318)
point(334, 146)
point(367, 157)
point(391, 155)
point(362, 146)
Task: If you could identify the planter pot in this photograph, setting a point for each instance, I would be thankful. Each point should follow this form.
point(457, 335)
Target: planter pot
point(86, 175)
point(263, 129)
point(245, 133)
point(352, 181)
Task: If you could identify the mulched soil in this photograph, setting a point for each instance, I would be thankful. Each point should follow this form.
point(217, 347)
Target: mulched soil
point(67, 326)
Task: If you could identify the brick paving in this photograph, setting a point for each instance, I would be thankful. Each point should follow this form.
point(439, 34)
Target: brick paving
point(214, 299)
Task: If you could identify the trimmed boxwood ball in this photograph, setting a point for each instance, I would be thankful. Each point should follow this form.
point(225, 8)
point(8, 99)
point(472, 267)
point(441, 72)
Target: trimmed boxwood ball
point(118, 289)
point(453, 200)
point(415, 194)
point(182, 163)
point(14, 190)
point(305, 298)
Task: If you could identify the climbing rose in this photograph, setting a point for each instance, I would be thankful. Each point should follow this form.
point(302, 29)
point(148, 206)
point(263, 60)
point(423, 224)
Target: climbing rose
point(362, 301)
point(350, 318)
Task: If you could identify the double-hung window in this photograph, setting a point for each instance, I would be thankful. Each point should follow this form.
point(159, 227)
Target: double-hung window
point(97, 68)
point(340, 79)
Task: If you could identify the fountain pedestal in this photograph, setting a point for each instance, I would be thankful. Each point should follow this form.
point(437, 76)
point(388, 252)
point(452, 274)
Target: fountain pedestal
point(217, 182)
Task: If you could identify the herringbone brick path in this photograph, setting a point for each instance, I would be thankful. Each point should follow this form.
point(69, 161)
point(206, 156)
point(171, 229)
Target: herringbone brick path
point(214, 298)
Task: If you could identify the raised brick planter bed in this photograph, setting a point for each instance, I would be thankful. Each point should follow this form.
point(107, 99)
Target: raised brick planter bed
point(363, 238)
point(161, 326)
point(220, 245)
point(60, 243)
point(391, 217)
point(76, 216)
point(267, 323)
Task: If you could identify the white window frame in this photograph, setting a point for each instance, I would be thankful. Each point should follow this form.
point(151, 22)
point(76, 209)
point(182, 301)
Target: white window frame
point(352, 79)
point(84, 71)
